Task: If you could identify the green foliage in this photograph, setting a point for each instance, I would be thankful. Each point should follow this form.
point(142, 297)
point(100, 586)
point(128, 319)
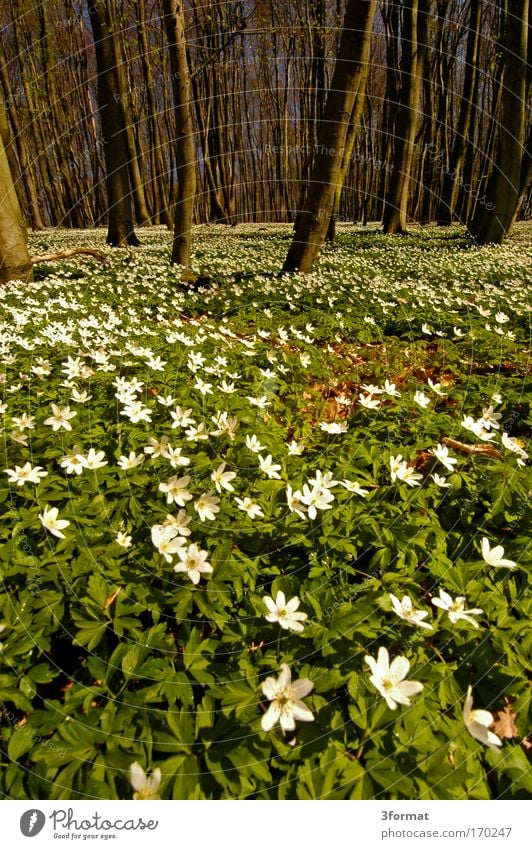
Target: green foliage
point(110, 657)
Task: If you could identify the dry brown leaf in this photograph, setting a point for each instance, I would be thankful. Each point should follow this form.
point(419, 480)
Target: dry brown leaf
point(504, 723)
point(108, 601)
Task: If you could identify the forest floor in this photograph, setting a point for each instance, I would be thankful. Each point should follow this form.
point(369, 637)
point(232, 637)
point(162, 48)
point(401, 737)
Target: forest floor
point(176, 453)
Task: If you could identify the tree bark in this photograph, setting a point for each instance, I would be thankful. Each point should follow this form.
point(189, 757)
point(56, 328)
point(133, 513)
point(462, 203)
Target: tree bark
point(328, 168)
point(451, 179)
point(353, 131)
point(502, 193)
point(14, 257)
point(413, 45)
point(120, 227)
point(185, 153)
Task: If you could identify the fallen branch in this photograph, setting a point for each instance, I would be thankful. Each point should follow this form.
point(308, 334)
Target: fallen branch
point(472, 449)
point(66, 254)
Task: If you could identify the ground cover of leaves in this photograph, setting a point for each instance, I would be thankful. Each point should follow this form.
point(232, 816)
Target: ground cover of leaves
point(261, 534)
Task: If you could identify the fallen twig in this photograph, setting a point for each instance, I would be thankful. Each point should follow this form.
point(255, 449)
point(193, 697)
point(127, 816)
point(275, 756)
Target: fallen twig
point(489, 450)
point(66, 254)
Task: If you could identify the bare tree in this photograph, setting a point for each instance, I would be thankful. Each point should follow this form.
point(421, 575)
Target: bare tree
point(451, 180)
point(15, 261)
point(502, 195)
point(413, 45)
point(110, 97)
point(185, 152)
point(328, 168)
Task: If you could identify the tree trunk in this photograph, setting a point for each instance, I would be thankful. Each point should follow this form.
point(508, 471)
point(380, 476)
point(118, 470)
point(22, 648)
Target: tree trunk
point(14, 257)
point(502, 193)
point(354, 127)
point(328, 168)
point(185, 153)
point(451, 179)
point(125, 88)
point(526, 177)
point(413, 44)
point(120, 228)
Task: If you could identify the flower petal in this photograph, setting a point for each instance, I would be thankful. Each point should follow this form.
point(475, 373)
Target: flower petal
point(270, 717)
point(302, 688)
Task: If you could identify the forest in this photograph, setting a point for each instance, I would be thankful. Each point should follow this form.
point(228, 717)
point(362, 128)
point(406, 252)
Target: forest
point(265, 371)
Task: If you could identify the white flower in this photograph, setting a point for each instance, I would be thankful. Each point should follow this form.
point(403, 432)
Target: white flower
point(426, 329)
point(477, 723)
point(222, 478)
point(353, 486)
point(80, 396)
point(316, 498)
point(26, 474)
point(136, 412)
point(405, 610)
point(410, 476)
point(60, 418)
point(323, 481)
point(440, 481)
point(93, 460)
point(285, 613)
point(175, 457)
point(156, 363)
point(130, 462)
point(390, 389)
point(477, 427)
point(20, 437)
point(207, 506)
point(495, 556)
point(50, 521)
point(253, 444)
point(181, 418)
point(490, 418)
point(204, 388)
point(501, 317)
point(269, 468)
point(144, 787)
point(123, 539)
point(295, 449)
point(285, 697)
point(166, 540)
point(261, 402)
point(456, 608)
point(399, 470)
point(421, 399)
point(176, 490)
point(70, 461)
point(250, 507)
point(157, 447)
point(388, 678)
point(295, 503)
point(194, 562)
point(436, 388)
point(195, 433)
point(181, 522)
point(396, 464)
point(225, 425)
point(165, 400)
point(334, 427)
point(368, 401)
point(23, 422)
point(513, 445)
point(441, 452)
